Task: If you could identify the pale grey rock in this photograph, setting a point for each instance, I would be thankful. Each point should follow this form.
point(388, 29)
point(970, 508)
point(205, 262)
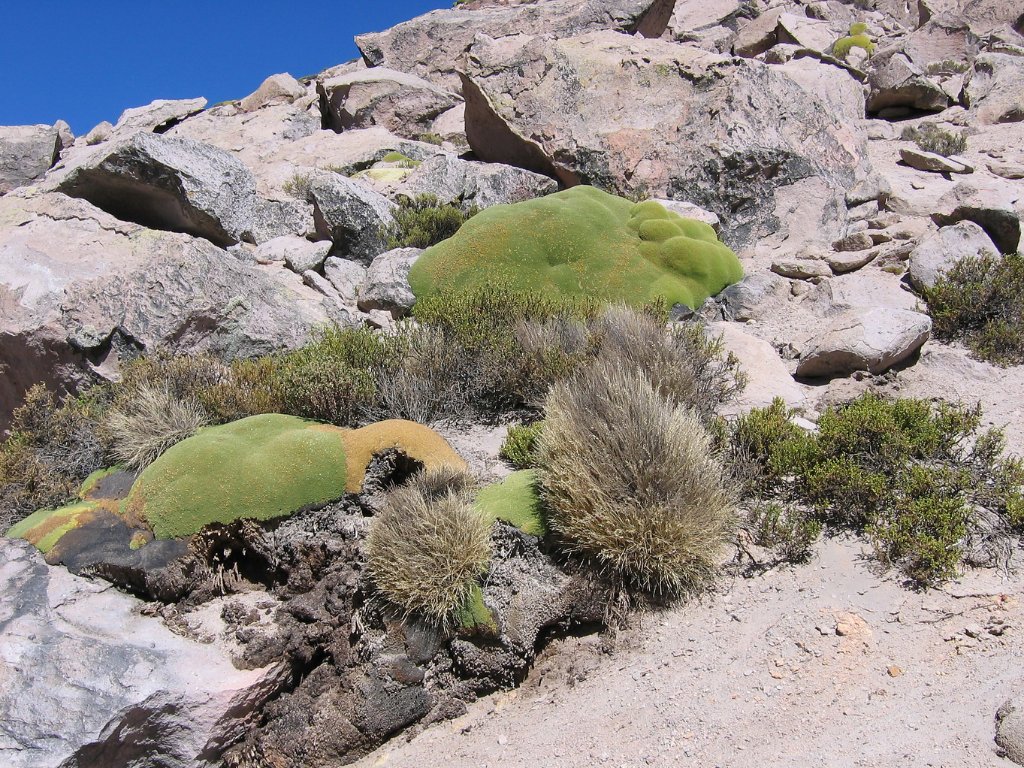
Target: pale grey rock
point(321, 285)
point(352, 216)
point(346, 276)
point(994, 89)
point(468, 183)
point(755, 36)
point(89, 681)
point(173, 184)
point(433, 46)
point(1007, 169)
point(858, 241)
point(997, 210)
point(451, 125)
point(895, 81)
point(689, 16)
point(767, 374)
point(801, 269)
point(941, 39)
point(387, 282)
point(870, 340)
point(930, 161)
point(517, 113)
point(832, 86)
point(750, 297)
point(27, 152)
point(940, 252)
point(1010, 730)
point(848, 261)
point(691, 211)
point(65, 134)
point(298, 253)
point(276, 89)
point(80, 290)
point(157, 116)
point(99, 133)
point(405, 104)
point(808, 33)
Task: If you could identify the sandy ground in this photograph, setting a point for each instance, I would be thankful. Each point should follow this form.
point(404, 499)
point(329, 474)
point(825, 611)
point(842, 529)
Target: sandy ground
point(824, 664)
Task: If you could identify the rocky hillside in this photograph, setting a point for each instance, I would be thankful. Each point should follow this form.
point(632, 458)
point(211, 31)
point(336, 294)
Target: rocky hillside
point(859, 158)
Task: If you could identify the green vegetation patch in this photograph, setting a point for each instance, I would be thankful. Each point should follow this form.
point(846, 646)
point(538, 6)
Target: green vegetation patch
point(474, 616)
point(520, 444)
point(581, 243)
point(923, 482)
point(44, 528)
point(857, 38)
point(261, 467)
point(515, 500)
point(979, 302)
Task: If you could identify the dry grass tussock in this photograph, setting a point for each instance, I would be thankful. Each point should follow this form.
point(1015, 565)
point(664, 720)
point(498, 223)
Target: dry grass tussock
point(151, 420)
point(428, 546)
point(631, 481)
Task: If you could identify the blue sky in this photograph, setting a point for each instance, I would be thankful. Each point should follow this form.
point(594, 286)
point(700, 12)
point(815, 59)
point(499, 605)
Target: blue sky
point(87, 60)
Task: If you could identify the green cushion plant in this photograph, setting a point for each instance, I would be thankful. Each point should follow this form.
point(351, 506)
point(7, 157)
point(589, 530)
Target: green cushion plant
point(581, 243)
point(514, 500)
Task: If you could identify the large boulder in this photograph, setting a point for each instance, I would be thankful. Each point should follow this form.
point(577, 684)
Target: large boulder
point(661, 119)
point(156, 117)
point(172, 184)
point(994, 90)
point(1010, 730)
point(87, 680)
point(350, 215)
point(691, 16)
point(26, 153)
point(870, 340)
point(895, 81)
point(276, 89)
point(467, 183)
point(433, 45)
point(996, 208)
point(387, 282)
point(405, 104)
point(940, 252)
point(79, 289)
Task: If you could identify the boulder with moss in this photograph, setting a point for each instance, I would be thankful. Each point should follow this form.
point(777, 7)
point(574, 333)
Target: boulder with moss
point(581, 243)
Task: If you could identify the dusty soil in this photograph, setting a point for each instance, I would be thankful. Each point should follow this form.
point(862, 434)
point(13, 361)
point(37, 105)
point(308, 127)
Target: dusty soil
point(826, 664)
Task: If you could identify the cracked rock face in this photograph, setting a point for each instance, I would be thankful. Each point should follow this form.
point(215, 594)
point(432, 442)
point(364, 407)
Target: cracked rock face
point(26, 153)
point(711, 130)
point(87, 680)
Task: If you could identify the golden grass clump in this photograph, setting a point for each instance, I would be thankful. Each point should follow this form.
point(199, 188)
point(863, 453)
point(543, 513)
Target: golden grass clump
point(148, 421)
point(429, 545)
point(631, 482)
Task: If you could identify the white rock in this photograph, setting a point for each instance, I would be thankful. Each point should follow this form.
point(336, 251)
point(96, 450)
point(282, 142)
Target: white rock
point(767, 374)
point(346, 276)
point(276, 89)
point(299, 254)
point(871, 340)
point(940, 252)
point(387, 282)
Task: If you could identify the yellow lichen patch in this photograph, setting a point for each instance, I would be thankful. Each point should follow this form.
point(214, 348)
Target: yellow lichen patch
point(414, 440)
point(44, 528)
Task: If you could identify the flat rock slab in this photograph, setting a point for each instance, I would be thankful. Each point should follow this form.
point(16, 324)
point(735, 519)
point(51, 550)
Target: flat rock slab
point(767, 375)
point(86, 680)
point(870, 340)
point(930, 161)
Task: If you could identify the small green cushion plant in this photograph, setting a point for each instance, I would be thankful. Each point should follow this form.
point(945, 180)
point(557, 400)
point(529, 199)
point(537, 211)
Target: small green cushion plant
point(581, 243)
point(514, 500)
point(858, 38)
point(260, 467)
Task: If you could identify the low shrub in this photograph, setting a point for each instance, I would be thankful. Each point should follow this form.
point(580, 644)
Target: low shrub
point(146, 421)
point(631, 483)
point(423, 221)
point(923, 482)
point(53, 446)
point(979, 302)
point(427, 548)
point(931, 137)
point(520, 445)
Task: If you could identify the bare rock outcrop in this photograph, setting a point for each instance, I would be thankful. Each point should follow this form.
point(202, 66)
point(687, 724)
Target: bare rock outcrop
point(660, 118)
point(387, 282)
point(994, 90)
point(403, 103)
point(26, 153)
point(940, 252)
point(87, 680)
point(870, 340)
point(453, 180)
point(276, 89)
point(349, 215)
point(432, 46)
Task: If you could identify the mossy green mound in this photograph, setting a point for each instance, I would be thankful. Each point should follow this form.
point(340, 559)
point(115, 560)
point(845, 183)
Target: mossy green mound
point(45, 528)
point(514, 500)
point(260, 467)
point(581, 243)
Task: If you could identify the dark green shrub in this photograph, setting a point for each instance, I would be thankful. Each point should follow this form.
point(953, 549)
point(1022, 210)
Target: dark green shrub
point(923, 482)
point(53, 446)
point(979, 302)
point(930, 137)
point(520, 445)
point(789, 532)
point(631, 482)
point(423, 221)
